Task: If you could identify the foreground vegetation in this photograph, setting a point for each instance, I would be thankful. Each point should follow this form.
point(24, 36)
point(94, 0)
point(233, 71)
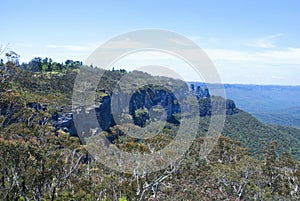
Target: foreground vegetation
point(39, 163)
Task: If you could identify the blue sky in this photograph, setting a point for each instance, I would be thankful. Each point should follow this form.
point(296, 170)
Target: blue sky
point(249, 42)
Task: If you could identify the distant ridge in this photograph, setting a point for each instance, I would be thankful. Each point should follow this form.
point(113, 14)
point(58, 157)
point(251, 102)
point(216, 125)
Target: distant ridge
point(272, 104)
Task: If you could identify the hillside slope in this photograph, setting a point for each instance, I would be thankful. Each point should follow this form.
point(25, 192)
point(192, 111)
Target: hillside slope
point(254, 134)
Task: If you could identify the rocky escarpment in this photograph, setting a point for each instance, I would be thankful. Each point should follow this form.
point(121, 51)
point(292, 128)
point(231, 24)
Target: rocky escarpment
point(153, 103)
point(149, 103)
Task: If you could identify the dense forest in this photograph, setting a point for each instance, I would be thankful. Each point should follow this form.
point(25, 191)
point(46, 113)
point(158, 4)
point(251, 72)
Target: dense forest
point(41, 159)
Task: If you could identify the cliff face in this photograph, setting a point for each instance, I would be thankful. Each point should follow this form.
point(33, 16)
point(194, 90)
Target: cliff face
point(139, 107)
point(150, 104)
point(155, 104)
point(103, 113)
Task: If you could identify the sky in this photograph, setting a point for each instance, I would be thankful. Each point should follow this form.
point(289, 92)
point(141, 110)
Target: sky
point(249, 42)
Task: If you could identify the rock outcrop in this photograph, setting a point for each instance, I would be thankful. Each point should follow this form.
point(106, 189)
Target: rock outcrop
point(143, 103)
point(215, 106)
point(147, 104)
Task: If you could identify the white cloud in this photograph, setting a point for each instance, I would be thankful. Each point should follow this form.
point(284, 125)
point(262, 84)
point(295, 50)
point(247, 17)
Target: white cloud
point(227, 54)
point(259, 67)
point(277, 77)
point(123, 44)
point(73, 47)
point(264, 42)
point(289, 56)
point(285, 56)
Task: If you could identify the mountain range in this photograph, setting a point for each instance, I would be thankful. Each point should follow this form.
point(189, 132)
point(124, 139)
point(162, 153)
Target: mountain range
point(271, 104)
